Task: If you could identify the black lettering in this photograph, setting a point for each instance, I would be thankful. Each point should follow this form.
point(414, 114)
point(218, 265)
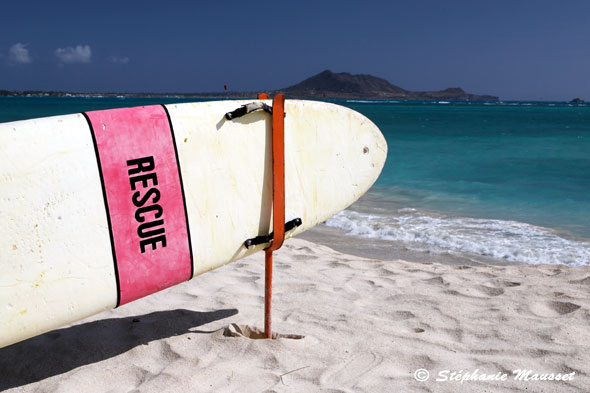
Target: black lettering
point(142, 210)
point(150, 232)
point(144, 229)
point(152, 241)
point(144, 180)
point(145, 164)
point(140, 202)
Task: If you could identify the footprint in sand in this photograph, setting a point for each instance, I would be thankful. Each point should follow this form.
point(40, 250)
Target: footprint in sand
point(480, 291)
point(349, 373)
point(401, 315)
point(489, 291)
point(247, 279)
point(437, 281)
point(553, 308)
point(583, 281)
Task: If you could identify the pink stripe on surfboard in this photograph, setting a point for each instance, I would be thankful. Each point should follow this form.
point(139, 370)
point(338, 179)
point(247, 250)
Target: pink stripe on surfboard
point(144, 197)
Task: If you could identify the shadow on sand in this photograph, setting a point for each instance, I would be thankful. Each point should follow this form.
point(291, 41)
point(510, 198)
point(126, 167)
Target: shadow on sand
point(62, 350)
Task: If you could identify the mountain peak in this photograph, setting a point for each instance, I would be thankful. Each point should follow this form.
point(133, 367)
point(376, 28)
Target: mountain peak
point(345, 85)
point(341, 85)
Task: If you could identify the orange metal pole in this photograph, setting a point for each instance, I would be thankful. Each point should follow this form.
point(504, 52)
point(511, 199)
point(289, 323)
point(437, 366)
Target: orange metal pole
point(278, 203)
point(262, 96)
point(267, 293)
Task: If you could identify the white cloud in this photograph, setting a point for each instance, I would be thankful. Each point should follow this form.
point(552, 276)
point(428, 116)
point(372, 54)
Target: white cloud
point(119, 60)
point(69, 55)
point(19, 54)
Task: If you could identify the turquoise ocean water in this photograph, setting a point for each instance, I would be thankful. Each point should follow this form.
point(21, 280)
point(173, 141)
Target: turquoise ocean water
point(505, 182)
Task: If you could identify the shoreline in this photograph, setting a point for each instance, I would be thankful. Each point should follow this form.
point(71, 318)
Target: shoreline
point(389, 227)
point(368, 325)
point(370, 248)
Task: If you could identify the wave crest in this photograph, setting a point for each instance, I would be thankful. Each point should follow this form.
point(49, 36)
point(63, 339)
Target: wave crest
point(505, 240)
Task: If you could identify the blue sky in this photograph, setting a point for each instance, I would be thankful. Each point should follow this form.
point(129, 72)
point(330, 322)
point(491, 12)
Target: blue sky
point(518, 49)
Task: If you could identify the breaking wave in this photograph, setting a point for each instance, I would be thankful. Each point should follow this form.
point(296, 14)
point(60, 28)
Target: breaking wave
point(510, 241)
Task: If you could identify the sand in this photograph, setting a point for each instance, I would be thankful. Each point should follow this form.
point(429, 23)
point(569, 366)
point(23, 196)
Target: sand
point(368, 325)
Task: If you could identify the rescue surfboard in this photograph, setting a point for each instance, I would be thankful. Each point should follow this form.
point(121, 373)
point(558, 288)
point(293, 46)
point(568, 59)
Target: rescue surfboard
point(101, 208)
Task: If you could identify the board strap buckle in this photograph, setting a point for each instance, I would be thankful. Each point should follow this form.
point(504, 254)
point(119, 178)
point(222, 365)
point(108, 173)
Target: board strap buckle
point(248, 108)
point(289, 226)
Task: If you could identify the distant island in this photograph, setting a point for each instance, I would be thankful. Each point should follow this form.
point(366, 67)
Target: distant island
point(325, 85)
point(343, 85)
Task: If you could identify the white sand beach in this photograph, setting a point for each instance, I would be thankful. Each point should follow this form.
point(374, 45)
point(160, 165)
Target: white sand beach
point(368, 325)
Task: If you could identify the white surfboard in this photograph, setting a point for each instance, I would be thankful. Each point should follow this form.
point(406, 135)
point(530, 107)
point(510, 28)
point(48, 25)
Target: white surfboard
point(101, 208)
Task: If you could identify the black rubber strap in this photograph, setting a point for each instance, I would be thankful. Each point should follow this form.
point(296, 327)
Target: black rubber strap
point(245, 109)
point(289, 226)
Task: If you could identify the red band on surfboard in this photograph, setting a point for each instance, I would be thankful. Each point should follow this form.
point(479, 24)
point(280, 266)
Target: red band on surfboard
point(144, 198)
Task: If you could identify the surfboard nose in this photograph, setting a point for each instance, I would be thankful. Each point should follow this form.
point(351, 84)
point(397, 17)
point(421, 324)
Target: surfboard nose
point(340, 152)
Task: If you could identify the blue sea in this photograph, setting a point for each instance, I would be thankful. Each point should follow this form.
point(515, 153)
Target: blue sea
point(464, 182)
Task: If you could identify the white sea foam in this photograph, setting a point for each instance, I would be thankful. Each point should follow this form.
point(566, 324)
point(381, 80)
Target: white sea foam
point(373, 101)
point(506, 240)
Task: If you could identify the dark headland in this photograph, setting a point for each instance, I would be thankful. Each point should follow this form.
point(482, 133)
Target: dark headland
point(343, 85)
point(325, 85)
